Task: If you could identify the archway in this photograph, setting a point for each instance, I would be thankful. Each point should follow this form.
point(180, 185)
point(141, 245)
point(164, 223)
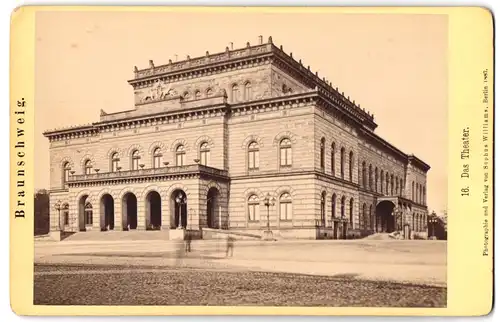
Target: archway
point(82, 212)
point(213, 208)
point(153, 209)
point(108, 211)
point(385, 218)
point(178, 205)
point(129, 206)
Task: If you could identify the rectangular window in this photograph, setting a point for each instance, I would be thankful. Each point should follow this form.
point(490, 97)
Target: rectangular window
point(253, 212)
point(286, 211)
point(180, 160)
point(253, 160)
point(66, 218)
point(156, 162)
point(205, 156)
point(88, 218)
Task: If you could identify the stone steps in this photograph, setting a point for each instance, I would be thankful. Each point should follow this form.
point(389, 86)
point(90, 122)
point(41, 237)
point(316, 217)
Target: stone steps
point(119, 235)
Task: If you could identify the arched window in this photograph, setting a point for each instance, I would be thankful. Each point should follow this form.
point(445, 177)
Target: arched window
point(332, 157)
point(397, 185)
point(285, 207)
point(157, 158)
point(180, 154)
point(363, 224)
point(376, 179)
point(370, 177)
point(234, 93)
point(204, 153)
point(134, 161)
point(392, 185)
point(253, 156)
point(351, 213)
point(87, 167)
point(401, 187)
point(342, 207)
point(65, 172)
point(65, 214)
point(285, 152)
point(351, 164)
point(88, 214)
point(253, 208)
point(363, 174)
point(197, 94)
point(370, 218)
point(382, 181)
point(248, 91)
point(210, 92)
point(342, 162)
point(323, 209)
point(334, 206)
point(413, 190)
point(387, 181)
point(115, 160)
point(322, 154)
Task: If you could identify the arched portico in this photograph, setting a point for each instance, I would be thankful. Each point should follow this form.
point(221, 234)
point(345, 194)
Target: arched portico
point(84, 206)
point(213, 208)
point(153, 210)
point(129, 210)
point(107, 212)
point(178, 207)
point(384, 217)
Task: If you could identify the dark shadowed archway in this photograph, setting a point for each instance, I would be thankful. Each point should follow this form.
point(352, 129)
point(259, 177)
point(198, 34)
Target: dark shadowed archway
point(84, 213)
point(178, 206)
point(153, 209)
point(385, 219)
point(108, 211)
point(213, 208)
point(129, 206)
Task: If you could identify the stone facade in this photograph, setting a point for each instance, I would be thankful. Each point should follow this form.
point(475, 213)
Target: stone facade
point(224, 133)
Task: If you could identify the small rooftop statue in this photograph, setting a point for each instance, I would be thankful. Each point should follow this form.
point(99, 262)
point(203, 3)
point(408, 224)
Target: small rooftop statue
point(103, 113)
point(270, 40)
point(136, 69)
point(151, 64)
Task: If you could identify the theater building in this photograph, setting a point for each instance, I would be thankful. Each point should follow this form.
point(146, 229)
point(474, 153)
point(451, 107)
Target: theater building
point(243, 140)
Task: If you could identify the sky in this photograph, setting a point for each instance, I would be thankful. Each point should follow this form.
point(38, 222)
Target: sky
point(394, 65)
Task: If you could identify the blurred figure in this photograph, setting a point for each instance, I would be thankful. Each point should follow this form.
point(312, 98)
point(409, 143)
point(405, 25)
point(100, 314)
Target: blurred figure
point(229, 245)
point(188, 243)
point(179, 252)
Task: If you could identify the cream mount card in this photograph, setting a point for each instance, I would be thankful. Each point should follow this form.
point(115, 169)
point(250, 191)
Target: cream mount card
point(342, 165)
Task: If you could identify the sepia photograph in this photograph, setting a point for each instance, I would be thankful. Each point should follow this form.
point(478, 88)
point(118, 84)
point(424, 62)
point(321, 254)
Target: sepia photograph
point(240, 158)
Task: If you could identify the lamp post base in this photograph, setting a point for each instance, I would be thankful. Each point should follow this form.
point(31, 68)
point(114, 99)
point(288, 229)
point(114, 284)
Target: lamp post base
point(56, 235)
point(267, 235)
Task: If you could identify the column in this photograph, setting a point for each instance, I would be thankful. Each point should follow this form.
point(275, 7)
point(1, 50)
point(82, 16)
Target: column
point(141, 214)
point(96, 216)
point(119, 223)
point(165, 213)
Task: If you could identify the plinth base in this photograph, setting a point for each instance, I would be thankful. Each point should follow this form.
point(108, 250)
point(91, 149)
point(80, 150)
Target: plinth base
point(56, 235)
point(177, 234)
point(267, 235)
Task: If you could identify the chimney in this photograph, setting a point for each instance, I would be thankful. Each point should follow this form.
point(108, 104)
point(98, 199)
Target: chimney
point(260, 40)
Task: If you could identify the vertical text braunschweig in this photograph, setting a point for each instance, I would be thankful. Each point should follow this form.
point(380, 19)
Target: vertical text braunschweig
point(20, 156)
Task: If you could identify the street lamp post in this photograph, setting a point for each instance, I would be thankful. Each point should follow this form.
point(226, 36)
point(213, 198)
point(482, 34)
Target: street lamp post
point(57, 207)
point(180, 200)
point(433, 221)
point(268, 202)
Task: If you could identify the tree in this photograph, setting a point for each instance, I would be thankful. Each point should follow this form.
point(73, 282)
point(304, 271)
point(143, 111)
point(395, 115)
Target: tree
point(42, 206)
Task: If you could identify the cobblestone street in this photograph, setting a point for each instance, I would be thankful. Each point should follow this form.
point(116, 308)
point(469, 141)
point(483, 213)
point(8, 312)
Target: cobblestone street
point(299, 273)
